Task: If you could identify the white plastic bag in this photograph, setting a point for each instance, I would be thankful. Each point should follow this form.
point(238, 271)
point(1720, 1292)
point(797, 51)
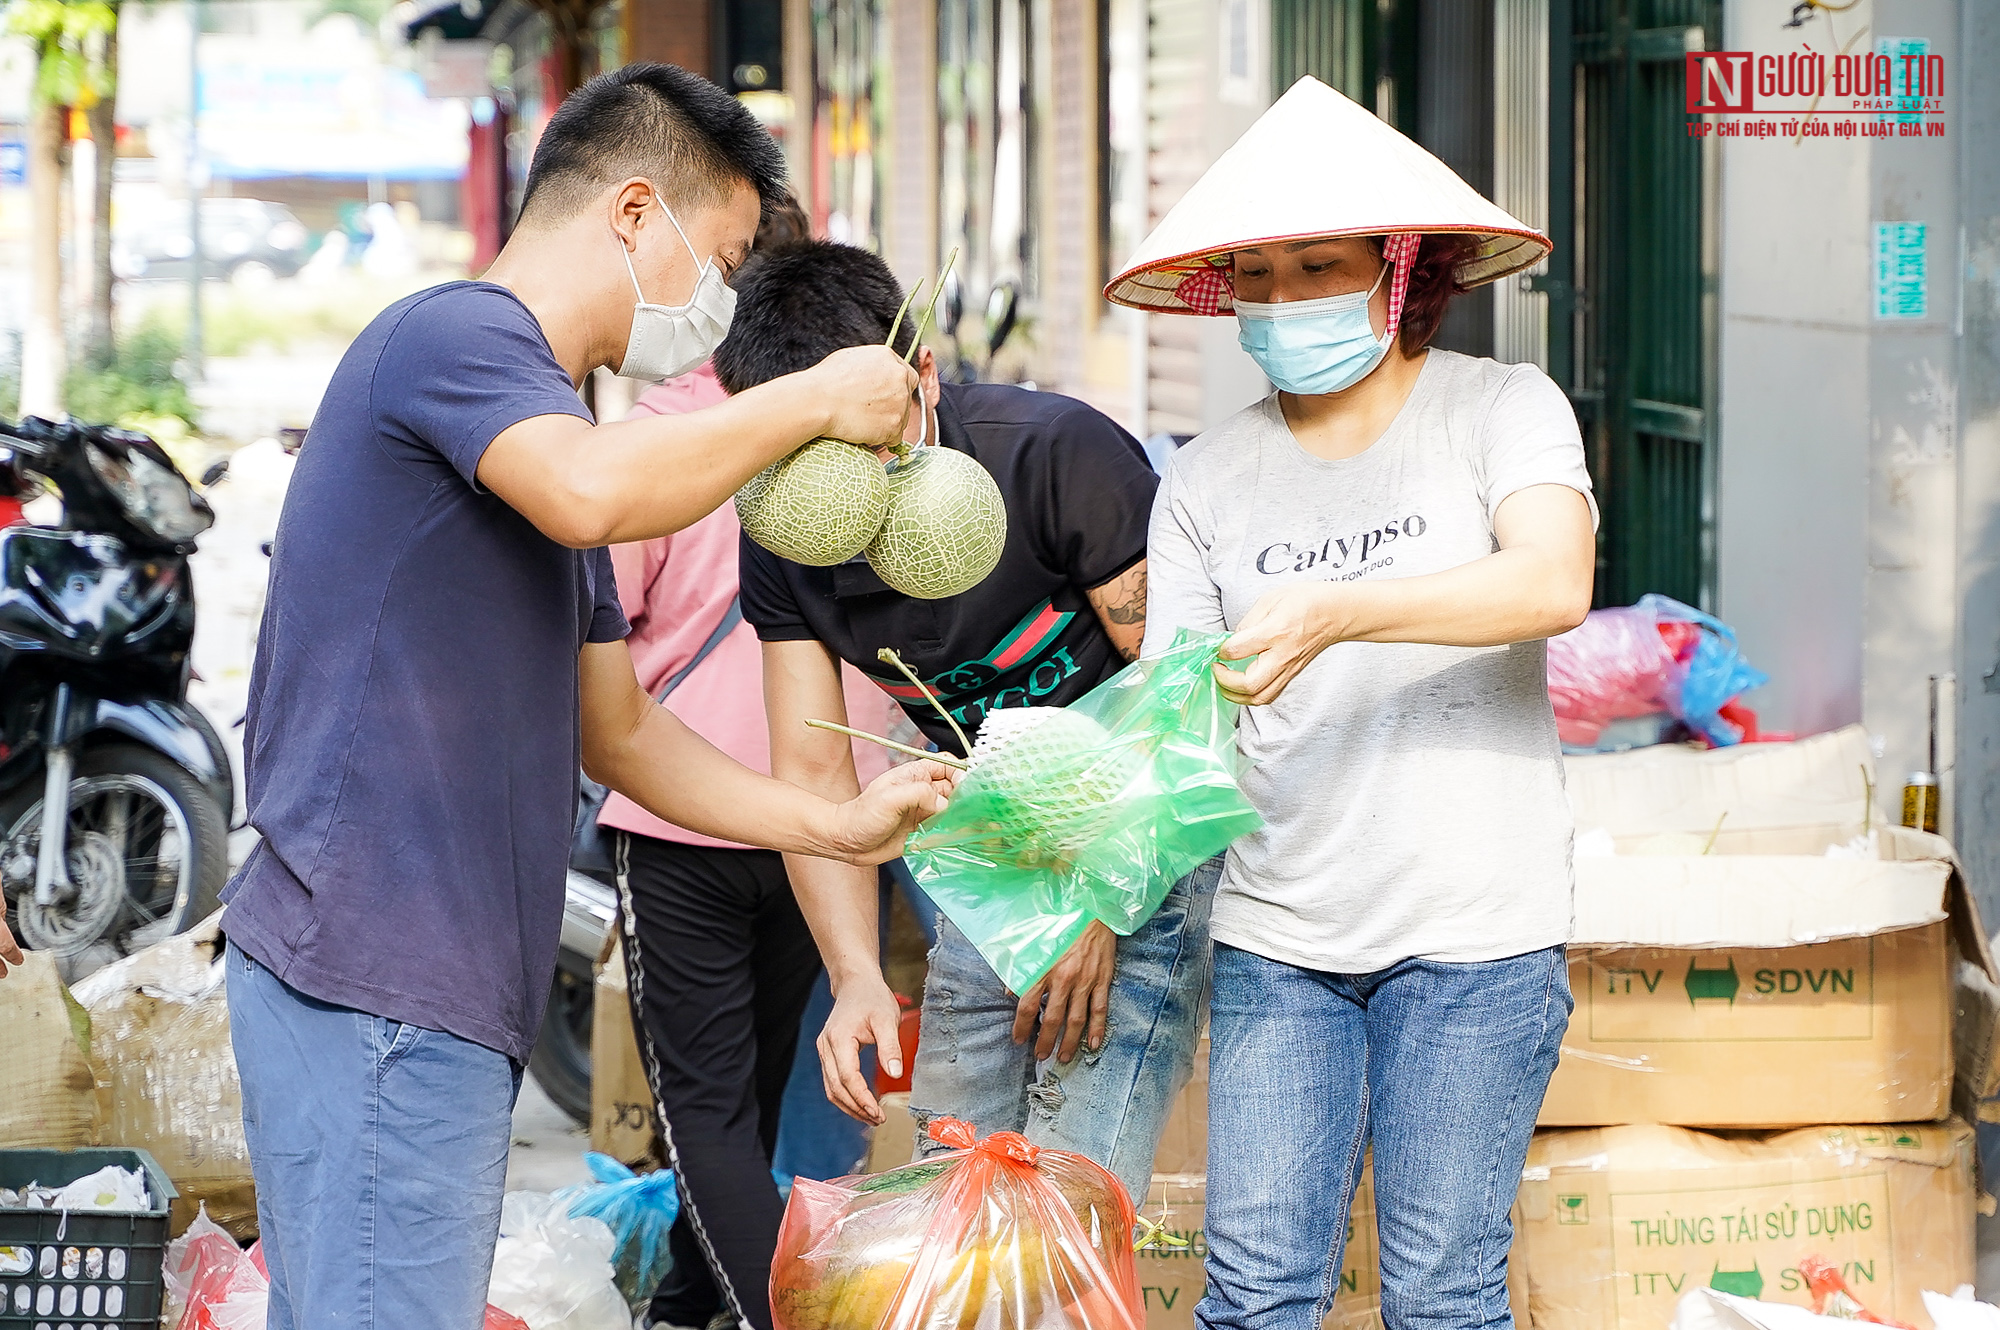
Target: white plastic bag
point(553, 1271)
point(1706, 1309)
point(1960, 1311)
point(111, 1189)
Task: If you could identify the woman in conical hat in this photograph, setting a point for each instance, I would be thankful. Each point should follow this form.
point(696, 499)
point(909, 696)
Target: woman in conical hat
point(1391, 534)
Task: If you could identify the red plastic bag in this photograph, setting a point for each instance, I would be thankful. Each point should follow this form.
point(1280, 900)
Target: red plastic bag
point(907, 1030)
point(1615, 665)
point(1656, 656)
point(996, 1235)
point(212, 1284)
point(220, 1286)
point(1832, 1297)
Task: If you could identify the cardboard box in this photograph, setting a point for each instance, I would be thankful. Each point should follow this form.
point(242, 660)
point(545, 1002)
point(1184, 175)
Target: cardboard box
point(50, 1100)
point(1171, 1280)
point(1615, 1224)
point(1765, 987)
point(1764, 984)
point(621, 1102)
point(159, 1022)
point(1675, 788)
point(894, 1143)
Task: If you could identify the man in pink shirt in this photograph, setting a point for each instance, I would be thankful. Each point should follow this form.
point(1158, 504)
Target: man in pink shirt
point(720, 961)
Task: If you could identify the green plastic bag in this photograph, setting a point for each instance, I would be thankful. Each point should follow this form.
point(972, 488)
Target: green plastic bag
point(1090, 811)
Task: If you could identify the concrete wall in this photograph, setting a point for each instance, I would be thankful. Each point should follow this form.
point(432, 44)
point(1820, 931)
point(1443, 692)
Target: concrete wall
point(1839, 541)
point(1912, 611)
point(1977, 696)
point(1792, 470)
point(1198, 376)
point(1230, 378)
point(1977, 783)
point(909, 213)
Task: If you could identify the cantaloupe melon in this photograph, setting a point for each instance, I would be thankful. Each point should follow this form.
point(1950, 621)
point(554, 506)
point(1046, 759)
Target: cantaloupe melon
point(1054, 777)
point(945, 525)
point(820, 506)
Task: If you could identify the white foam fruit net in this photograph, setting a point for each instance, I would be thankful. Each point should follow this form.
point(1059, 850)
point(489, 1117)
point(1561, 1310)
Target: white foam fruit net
point(1054, 778)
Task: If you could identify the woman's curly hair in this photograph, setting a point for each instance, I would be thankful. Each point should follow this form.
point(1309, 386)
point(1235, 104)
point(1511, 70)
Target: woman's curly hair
point(1433, 282)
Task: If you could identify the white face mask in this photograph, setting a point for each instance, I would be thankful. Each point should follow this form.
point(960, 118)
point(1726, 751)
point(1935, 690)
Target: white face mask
point(669, 340)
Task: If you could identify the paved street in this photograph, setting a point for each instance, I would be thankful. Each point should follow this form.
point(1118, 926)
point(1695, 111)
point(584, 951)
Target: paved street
point(548, 1146)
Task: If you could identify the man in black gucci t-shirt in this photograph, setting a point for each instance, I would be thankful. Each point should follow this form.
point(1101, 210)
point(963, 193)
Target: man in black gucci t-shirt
point(1064, 611)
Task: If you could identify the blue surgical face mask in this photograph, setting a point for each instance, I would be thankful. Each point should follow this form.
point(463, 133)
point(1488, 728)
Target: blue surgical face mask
point(1311, 347)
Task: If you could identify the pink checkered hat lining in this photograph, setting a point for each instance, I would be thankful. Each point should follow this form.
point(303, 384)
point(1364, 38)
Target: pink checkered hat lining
point(1207, 291)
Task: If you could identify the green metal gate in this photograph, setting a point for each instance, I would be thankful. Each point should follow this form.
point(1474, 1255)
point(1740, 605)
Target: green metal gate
point(1632, 285)
point(1365, 48)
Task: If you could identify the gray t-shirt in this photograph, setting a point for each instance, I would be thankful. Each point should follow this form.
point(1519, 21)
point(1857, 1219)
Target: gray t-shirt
point(1412, 794)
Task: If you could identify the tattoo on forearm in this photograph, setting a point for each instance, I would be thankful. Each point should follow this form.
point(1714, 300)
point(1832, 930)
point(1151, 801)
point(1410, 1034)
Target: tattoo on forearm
point(1132, 608)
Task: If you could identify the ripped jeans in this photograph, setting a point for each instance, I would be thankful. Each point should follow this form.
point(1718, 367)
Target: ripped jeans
point(1110, 1105)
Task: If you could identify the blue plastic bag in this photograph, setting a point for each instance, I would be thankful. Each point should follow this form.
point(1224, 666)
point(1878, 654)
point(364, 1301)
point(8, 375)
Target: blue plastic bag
point(638, 1211)
point(1713, 675)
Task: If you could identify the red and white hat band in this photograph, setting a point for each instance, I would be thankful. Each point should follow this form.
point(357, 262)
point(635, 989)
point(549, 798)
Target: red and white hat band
point(1207, 290)
point(1401, 250)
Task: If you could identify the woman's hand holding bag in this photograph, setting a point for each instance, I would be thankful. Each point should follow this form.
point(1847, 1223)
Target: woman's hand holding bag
point(1281, 635)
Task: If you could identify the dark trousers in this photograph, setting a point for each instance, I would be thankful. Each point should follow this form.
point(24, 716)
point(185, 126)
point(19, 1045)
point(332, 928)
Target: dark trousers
point(720, 965)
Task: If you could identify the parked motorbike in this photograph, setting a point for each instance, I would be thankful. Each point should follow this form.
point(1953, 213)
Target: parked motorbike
point(1003, 309)
point(114, 791)
point(560, 1062)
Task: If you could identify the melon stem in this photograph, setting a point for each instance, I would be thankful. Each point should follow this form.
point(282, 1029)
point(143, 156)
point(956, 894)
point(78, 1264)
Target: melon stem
point(944, 758)
point(889, 656)
point(897, 326)
point(924, 324)
point(900, 448)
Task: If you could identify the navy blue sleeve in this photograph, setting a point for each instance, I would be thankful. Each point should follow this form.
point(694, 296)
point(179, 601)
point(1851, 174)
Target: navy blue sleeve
point(461, 367)
point(1097, 489)
point(769, 604)
point(607, 616)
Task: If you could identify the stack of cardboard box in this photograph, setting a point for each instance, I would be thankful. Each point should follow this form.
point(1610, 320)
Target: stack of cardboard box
point(1760, 1067)
point(1170, 1276)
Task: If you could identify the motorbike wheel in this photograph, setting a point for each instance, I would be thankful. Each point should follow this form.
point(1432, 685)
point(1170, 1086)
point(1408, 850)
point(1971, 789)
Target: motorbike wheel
point(561, 1060)
point(148, 854)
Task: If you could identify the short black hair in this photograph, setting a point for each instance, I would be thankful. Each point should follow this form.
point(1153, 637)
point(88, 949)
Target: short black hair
point(679, 130)
point(797, 304)
point(784, 222)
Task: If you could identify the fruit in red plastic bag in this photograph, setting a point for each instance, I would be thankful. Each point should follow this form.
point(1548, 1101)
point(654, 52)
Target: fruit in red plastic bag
point(864, 1278)
point(996, 1236)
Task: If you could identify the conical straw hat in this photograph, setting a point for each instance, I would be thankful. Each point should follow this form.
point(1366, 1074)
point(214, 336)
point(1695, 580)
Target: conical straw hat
point(1314, 164)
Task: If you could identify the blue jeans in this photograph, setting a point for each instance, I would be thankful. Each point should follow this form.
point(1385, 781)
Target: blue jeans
point(1110, 1105)
point(380, 1153)
point(1440, 1067)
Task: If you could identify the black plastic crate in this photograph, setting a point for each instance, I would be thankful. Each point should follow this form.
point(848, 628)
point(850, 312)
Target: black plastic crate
point(91, 1271)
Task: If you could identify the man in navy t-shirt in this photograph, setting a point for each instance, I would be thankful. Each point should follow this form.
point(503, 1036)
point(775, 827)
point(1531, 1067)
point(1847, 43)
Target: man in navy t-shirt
point(443, 643)
point(1064, 610)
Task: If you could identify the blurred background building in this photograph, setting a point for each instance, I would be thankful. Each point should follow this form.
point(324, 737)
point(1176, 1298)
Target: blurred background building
point(1784, 352)
point(1782, 429)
